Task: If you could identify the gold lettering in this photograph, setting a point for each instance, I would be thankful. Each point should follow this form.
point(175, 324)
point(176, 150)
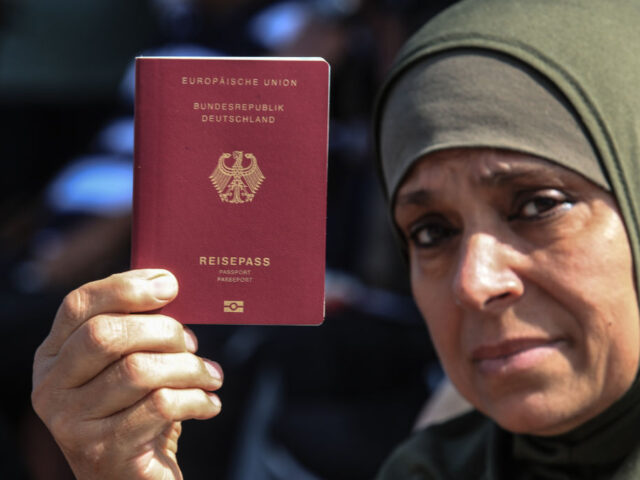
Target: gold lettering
point(235, 261)
point(280, 82)
point(259, 119)
point(220, 81)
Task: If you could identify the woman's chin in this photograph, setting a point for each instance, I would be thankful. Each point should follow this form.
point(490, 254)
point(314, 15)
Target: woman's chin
point(537, 414)
point(547, 405)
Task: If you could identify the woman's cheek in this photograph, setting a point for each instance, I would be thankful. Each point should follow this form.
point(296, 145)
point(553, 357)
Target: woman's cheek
point(442, 318)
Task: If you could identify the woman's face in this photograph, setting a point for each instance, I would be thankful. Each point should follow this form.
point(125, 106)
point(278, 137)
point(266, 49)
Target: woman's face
point(523, 272)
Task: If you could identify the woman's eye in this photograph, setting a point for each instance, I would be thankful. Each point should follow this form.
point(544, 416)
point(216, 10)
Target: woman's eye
point(426, 235)
point(542, 204)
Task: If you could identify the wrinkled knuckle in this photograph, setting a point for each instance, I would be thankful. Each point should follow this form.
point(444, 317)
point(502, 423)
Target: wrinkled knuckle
point(128, 289)
point(75, 305)
point(93, 455)
point(39, 401)
point(196, 364)
point(169, 329)
point(106, 334)
point(135, 368)
point(163, 404)
point(38, 358)
point(91, 458)
point(42, 364)
point(62, 427)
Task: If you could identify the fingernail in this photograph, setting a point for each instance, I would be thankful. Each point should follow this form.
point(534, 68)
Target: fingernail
point(212, 369)
point(215, 400)
point(163, 287)
point(190, 341)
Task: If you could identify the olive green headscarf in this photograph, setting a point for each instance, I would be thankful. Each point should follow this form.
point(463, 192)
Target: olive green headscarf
point(476, 98)
point(586, 55)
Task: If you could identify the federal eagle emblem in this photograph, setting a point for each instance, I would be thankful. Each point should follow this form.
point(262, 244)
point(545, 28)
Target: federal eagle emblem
point(237, 183)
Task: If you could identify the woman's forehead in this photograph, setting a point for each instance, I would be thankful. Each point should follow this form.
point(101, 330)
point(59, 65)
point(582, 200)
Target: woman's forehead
point(478, 166)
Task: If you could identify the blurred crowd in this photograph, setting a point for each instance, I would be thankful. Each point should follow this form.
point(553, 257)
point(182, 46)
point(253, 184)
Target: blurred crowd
point(299, 403)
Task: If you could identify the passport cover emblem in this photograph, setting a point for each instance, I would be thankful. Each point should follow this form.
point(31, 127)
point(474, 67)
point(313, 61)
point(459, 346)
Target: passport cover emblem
point(230, 185)
point(237, 184)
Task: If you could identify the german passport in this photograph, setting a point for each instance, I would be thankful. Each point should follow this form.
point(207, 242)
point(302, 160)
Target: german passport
point(230, 185)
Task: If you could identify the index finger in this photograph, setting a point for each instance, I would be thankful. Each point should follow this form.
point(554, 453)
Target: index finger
point(129, 292)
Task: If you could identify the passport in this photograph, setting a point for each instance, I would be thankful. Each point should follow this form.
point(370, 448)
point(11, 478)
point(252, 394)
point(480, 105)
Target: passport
point(230, 185)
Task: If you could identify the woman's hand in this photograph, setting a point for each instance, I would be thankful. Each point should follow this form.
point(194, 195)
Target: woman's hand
point(113, 384)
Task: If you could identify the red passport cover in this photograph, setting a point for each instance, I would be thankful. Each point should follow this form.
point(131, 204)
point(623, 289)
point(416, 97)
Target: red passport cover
point(230, 186)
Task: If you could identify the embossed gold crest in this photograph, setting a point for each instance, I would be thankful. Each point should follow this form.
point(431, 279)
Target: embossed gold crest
point(237, 183)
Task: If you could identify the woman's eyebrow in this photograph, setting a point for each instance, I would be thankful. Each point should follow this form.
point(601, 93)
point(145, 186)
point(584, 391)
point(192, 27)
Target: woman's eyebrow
point(494, 178)
point(421, 196)
point(500, 177)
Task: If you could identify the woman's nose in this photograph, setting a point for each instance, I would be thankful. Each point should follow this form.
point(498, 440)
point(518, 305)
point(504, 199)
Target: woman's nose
point(485, 278)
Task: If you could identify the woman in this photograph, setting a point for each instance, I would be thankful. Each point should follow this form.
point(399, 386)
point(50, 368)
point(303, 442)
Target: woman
point(508, 144)
point(507, 135)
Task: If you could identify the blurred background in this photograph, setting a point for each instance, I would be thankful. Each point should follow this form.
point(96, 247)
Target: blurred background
point(299, 403)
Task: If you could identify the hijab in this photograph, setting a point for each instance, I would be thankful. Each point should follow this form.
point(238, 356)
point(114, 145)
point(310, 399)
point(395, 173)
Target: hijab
point(555, 79)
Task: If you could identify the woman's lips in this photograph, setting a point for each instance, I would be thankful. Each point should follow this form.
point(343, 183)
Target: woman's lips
point(513, 355)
